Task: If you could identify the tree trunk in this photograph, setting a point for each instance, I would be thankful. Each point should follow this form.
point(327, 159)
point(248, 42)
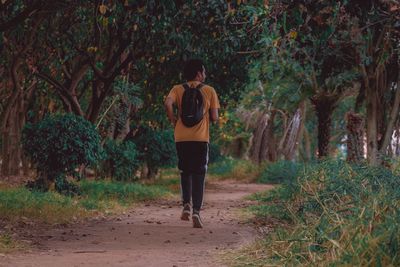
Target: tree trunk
point(5, 165)
point(355, 137)
point(267, 141)
point(324, 105)
point(291, 139)
point(371, 95)
point(255, 150)
point(397, 145)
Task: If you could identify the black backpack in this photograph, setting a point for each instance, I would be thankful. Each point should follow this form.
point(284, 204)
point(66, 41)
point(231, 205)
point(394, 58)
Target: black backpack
point(192, 106)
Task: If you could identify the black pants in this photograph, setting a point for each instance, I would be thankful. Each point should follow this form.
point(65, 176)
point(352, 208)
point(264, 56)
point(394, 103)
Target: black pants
point(193, 160)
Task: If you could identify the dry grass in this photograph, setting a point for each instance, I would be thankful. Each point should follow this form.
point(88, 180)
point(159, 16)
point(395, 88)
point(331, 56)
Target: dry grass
point(334, 215)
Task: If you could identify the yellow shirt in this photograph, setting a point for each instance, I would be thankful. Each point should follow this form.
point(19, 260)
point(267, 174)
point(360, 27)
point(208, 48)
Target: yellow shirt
point(199, 132)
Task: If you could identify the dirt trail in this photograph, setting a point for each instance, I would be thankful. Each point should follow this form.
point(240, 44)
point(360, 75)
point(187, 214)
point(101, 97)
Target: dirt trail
point(149, 235)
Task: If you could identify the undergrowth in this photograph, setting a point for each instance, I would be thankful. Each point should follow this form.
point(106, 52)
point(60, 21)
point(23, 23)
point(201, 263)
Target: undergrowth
point(280, 171)
point(332, 214)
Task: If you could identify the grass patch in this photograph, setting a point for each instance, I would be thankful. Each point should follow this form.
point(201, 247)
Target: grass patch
point(21, 204)
point(334, 214)
point(18, 204)
point(236, 169)
point(123, 193)
point(170, 179)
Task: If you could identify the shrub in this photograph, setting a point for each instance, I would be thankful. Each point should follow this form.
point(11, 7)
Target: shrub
point(157, 148)
point(121, 160)
point(58, 144)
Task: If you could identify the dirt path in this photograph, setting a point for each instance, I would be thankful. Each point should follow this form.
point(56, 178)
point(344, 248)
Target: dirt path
point(149, 235)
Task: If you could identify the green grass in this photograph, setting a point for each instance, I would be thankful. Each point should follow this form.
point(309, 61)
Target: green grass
point(18, 204)
point(123, 193)
point(332, 214)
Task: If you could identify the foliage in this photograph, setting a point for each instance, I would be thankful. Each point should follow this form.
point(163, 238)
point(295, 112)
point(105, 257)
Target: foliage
point(58, 144)
point(281, 171)
point(231, 135)
point(229, 168)
point(335, 214)
point(214, 153)
point(121, 160)
point(156, 147)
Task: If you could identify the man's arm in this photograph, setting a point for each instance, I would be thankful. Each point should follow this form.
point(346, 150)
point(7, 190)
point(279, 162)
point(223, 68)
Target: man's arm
point(169, 107)
point(214, 114)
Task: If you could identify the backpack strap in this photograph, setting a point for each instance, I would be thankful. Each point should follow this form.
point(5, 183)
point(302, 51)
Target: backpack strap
point(186, 86)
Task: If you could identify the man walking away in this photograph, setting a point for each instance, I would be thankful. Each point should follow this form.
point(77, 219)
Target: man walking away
point(197, 105)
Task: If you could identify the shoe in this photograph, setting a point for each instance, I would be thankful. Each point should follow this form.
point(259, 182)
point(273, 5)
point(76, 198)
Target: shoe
point(185, 212)
point(197, 223)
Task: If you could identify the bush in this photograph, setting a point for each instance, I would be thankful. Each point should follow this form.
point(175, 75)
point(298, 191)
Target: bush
point(157, 148)
point(58, 144)
point(335, 214)
point(121, 161)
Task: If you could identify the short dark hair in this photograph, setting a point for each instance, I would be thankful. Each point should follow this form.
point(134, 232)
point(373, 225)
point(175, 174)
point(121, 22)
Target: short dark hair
point(192, 66)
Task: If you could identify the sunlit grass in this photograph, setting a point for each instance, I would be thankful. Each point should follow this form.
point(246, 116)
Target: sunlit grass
point(20, 204)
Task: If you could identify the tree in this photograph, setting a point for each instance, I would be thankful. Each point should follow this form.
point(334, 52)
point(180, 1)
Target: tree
point(376, 35)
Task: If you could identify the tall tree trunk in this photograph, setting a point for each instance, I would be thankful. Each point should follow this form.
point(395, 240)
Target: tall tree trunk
point(291, 140)
point(388, 134)
point(324, 105)
point(267, 141)
point(355, 137)
point(371, 96)
point(10, 122)
point(255, 150)
point(5, 155)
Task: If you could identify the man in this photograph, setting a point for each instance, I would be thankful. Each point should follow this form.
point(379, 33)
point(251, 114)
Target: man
point(192, 142)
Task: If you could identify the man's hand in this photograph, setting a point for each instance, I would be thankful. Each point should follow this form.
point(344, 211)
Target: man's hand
point(213, 115)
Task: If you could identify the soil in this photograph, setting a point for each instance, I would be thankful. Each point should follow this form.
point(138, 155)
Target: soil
point(150, 234)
